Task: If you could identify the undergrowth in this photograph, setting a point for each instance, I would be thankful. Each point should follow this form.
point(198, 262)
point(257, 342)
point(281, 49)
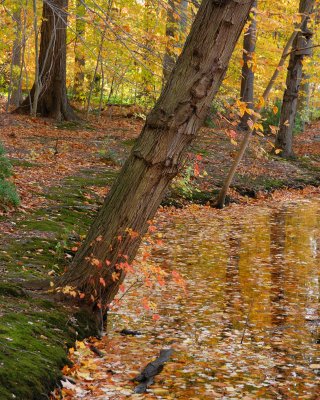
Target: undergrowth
point(8, 193)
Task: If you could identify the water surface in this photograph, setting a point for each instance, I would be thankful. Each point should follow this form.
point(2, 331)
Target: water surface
point(248, 326)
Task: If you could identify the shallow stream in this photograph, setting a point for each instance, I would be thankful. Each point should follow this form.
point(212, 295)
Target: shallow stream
point(248, 326)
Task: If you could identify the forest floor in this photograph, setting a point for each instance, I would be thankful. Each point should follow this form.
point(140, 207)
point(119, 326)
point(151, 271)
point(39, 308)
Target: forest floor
point(62, 172)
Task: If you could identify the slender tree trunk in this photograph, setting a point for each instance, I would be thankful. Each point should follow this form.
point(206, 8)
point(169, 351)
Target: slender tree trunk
point(14, 95)
point(176, 9)
point(52, 101)
point(171, 27)
point(220, 202)
point(99, 61)
point(113, 240)
point(102, 88)
point(149, 21)
point(303, 105)
point(79, 60)
point(300, 48)
point(247, 75)
point(37, 81)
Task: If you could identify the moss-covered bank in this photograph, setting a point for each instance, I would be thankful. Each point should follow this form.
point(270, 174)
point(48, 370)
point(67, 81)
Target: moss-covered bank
point(35, 331)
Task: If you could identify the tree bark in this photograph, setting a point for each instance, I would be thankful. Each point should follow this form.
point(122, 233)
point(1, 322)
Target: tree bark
point(79, 60)
point(112, 242)
point(247, 75)
point(14, 96)
point(220, 202)
point(303, 105)
point(300, 48)
point(175, 10)
point(52, 100)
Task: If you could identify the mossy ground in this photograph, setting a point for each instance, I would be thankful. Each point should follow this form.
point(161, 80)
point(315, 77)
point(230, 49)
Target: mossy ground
point(35, 331)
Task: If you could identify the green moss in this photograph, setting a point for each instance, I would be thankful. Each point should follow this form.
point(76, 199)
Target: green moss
point(33, 344)
point(92, 178)
point(74, 125)
point(34, 332)
point(129, 142)
point(9, 289)
point(272, 183)
point(8, 193)
point(30, 257)
point(32, 353)
point(5, 166)
point(309, 163)
point(24, 163)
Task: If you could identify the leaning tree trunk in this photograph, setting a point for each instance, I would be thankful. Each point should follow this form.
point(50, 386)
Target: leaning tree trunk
point(100, 264)
point(247, 75)
point(220, 202)
point(52, 101)
point(301, 48)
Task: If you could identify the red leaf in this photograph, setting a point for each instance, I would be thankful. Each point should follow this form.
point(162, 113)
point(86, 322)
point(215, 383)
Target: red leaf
point(155, 317)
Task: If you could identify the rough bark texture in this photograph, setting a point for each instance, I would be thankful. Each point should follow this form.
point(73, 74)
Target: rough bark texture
point(53, 100)
point(300, 48)
point(247, 75)
point(159, 151)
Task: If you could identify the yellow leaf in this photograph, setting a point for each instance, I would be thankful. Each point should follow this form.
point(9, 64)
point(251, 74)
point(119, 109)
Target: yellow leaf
point(277, 151)
point(233, 142)
point(261, 102)
point(275, 109)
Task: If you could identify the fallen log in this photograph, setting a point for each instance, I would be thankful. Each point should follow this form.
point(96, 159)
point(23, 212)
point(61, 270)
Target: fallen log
point(146, 376)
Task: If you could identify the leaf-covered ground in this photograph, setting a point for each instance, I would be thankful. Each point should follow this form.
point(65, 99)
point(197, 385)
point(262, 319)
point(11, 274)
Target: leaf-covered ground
point(43, 152)
point(62, 173)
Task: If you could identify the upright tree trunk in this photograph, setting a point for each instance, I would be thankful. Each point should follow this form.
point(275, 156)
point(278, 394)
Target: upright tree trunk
point(246, 139)
point(169, 55)
point(146, 67)
point(176, 23)
point(113, 240)
point(79, 60)
point(303, 105)
point(52, 101)
point(300, 48)
point(14, 96)
point(247, 75)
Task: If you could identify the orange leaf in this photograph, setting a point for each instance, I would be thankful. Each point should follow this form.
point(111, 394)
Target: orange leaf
point(196, 170)
point(155, 317)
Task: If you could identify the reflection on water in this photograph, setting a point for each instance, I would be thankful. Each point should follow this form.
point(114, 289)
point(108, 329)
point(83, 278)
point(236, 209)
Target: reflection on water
point(250, 325)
